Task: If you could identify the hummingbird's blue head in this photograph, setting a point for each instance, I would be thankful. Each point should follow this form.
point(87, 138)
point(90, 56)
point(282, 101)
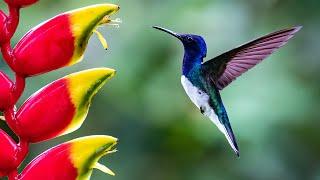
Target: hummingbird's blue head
point(194, 45)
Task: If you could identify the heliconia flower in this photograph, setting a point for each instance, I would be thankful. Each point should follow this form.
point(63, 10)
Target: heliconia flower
point(72, 160)
point(60, 41)
point(3, 19)
point(20, 3)
point(61, 106)
point(8, 159)
point(6, 89)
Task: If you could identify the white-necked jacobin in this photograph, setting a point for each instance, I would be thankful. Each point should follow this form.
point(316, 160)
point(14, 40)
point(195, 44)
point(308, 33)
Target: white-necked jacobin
point(202, 81)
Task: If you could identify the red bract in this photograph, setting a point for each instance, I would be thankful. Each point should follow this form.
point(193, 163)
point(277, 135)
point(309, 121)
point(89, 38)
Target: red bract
point(3, 18)
point(60, 41)
point(72, 160)
point(20, 3)
point(6, 90)
point(7, 153)
point(61, 106)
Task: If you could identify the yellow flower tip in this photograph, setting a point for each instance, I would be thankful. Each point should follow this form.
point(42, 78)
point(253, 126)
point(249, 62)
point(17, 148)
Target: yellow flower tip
point(96, 142)
point(85, 21)
point(95, 13)
point(84, 84)
point(82, 87)
point(86, 152)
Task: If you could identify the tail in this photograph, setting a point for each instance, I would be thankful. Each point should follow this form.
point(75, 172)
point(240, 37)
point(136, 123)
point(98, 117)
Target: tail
point(222, 122)
point(218, 115)
point(227, 131)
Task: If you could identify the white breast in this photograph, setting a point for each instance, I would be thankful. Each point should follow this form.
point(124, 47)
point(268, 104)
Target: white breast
point(201, 99)
point(197, 96)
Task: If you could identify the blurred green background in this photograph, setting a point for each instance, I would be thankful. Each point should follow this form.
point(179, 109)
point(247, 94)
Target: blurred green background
point(274, 108)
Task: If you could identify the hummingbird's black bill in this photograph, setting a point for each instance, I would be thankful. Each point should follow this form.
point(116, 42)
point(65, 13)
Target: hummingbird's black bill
point(167, 31)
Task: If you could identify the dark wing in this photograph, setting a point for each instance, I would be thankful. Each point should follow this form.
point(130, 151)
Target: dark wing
point(223, 69)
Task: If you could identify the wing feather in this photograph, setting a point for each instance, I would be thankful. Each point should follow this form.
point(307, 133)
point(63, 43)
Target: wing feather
point(228, 66)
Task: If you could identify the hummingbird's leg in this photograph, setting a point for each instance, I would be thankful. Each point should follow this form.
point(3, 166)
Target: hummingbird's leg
point(201, 109)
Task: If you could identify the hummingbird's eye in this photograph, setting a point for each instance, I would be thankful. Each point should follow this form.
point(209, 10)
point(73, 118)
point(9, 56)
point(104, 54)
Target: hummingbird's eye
point(189, 39)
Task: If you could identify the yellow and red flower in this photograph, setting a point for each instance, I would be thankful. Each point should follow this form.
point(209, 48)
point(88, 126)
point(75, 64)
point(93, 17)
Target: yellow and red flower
point(60, 107)
point(60, 41)
point(72, 160)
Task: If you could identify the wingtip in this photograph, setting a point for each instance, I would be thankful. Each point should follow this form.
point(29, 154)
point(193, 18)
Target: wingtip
point(297, 28)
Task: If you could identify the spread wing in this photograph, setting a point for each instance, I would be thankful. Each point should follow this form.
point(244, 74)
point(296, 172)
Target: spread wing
point(223, 69)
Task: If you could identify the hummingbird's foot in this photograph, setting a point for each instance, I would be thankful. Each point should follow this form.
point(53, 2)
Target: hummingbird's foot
point(201, 110)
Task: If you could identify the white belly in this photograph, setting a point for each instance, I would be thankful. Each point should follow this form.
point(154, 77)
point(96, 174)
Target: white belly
point(201, 99)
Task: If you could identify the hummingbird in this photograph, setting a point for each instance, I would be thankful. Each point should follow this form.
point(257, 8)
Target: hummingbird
point(203, 81)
